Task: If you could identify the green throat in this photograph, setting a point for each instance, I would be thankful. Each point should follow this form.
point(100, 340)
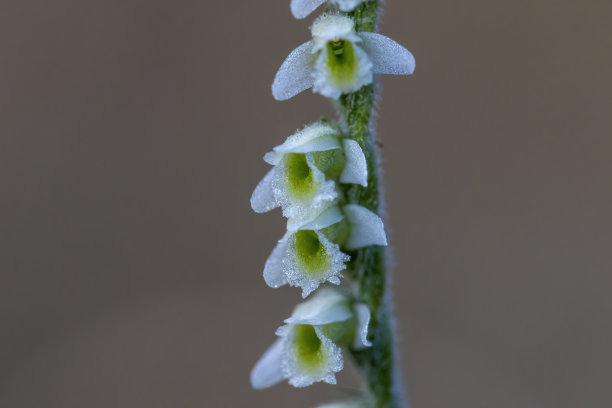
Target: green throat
point(308, 348)
point(341, 61)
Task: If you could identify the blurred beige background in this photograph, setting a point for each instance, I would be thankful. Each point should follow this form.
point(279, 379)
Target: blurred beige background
point(131, 137)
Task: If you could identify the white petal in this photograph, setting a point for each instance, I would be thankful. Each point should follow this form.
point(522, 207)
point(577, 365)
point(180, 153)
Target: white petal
point(366, 227)
point(387, 56)
point(356, 169)
point(332, 27)
point(263, 199)
point(347, 5)
point(302, 8)
point(329, 217)
point(313, 138)
point(273, 158)
point(295, 74)
point(273, 271)
point(327, 306)
point(363, 321)
point(268, 370)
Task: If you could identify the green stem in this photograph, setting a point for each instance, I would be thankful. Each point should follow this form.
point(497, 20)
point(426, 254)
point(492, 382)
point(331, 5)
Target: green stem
point(368, 267)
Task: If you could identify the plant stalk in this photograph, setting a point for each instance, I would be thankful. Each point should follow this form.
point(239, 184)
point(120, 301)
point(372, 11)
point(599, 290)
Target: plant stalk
point(368, 266)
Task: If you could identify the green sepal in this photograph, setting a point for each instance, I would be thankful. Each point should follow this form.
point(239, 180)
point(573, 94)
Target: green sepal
point(338, 233)
point(330, 162)
point(341, 333)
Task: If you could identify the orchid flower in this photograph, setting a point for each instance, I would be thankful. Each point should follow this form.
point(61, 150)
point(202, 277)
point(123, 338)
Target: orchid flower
point(305, 167)
point(311, 255)
point(339, 60)
point(302, 8)
point(308, 346)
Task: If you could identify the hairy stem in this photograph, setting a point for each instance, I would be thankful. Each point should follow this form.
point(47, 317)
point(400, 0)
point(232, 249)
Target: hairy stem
point(368, 267)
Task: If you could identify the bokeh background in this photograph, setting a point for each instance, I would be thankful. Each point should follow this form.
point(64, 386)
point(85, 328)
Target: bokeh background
point(131, 137)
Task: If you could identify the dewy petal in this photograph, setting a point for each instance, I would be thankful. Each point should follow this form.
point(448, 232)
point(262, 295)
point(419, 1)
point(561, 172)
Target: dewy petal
point(328, 217)
point(366, 228)
point(273, 270)
point(363, 322)
point(263, 199)
point(323, 266)
point(313, 138)
point(299, 376)
point(347, 5)
point(302, 8)
point(327, 306)
point(356, 168)
point(387, 56)
point(273, 158)
point(295, 74)
point(268, 370)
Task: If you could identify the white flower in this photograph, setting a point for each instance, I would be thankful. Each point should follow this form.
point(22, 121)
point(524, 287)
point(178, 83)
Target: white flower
point(339, 60)
point(308, 347)
point(311, 255)
point(302, 8)
point(301, 181)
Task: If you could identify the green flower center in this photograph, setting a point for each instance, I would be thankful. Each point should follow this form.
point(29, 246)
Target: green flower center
point(330, 162)
point(341, 333)
point(308, 347)
point(310, 253)
point(338, 233)
point(341, 62)
point(300, 181)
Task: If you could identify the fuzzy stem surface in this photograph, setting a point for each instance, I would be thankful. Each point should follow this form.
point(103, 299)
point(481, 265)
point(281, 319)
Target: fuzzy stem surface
point(368, 266)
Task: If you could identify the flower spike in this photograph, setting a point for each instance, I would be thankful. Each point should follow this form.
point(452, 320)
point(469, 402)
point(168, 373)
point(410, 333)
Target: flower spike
point(339, 60)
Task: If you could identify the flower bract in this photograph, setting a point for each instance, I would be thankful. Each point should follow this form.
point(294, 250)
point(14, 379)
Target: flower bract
point(308, 346)
point(338, 60)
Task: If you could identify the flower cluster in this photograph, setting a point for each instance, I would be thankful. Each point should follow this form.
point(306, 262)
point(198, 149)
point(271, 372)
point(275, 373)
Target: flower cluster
point(310, 174)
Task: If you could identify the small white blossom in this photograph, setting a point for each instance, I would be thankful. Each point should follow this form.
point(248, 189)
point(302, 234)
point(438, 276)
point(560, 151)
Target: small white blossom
point(301, 181)
point(312, 255)
point(308, 347)
point(302, 8)
point(339, 60)
point(306, 258)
